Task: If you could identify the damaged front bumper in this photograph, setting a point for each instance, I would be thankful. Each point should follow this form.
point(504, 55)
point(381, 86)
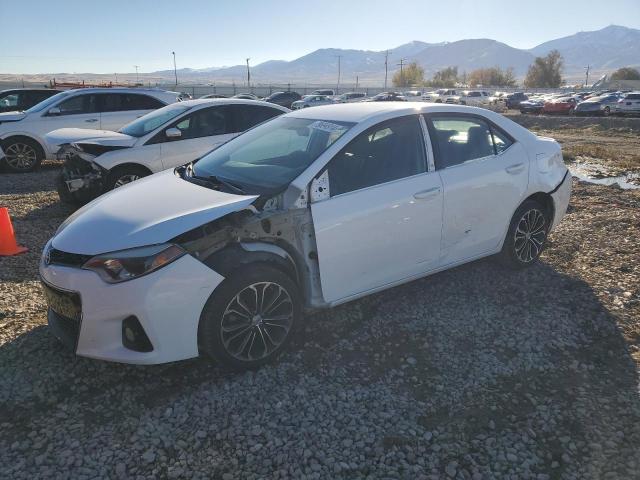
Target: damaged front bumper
point(81, 179)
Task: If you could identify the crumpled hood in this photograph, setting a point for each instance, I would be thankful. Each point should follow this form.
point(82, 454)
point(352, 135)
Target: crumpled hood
point(11, 116)
point(148, 211)
point(85, 135)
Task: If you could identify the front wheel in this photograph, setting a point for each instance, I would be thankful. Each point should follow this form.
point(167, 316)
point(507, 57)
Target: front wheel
point(606, 111)
point(22, 155)
point(250, 317)
point(527, 235)
point(120, 176)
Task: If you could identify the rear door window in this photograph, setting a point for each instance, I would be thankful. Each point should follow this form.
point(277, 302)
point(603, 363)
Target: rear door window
point(137, 101)
point(247, 116)
point(461, 138)
point(122, 102)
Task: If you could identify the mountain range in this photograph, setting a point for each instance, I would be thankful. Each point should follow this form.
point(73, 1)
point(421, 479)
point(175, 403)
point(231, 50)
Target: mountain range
point(603, 50)
point(606, 49)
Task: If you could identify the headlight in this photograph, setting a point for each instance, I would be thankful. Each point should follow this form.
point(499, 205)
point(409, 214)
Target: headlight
point(126, 265)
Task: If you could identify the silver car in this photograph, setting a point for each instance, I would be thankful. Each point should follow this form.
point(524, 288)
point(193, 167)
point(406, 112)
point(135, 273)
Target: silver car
point(311, 101)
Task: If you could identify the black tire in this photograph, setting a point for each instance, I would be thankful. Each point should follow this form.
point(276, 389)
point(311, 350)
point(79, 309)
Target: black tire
point(514, 251)
point(224, 310)
point(22, 154)
point(607, 111)
point(116, 176)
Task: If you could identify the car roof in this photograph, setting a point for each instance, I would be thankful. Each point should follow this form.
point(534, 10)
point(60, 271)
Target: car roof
point(229, 101)
point(361, 111)
point(27, 89)
point(121, 90)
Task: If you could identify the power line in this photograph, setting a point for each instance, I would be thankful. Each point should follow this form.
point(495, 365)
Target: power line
point(386, 67)
point(175, 69)
point(248, 75)
point(586, 82)
point(402, 60)
point(339, 57)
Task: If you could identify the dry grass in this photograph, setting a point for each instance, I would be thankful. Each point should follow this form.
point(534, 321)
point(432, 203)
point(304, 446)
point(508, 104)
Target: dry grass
point(616, 157)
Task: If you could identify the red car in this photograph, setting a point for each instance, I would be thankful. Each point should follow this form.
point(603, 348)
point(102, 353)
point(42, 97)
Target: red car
point(564, 106)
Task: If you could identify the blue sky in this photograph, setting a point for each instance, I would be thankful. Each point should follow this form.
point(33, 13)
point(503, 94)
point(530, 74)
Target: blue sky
point(80, 36)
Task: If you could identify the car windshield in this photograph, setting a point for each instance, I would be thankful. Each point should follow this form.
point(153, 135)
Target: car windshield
point(267, 158)
point(43, 105)
point(149, 122)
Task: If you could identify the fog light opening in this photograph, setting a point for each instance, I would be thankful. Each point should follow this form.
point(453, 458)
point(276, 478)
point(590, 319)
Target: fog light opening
point(134, 336)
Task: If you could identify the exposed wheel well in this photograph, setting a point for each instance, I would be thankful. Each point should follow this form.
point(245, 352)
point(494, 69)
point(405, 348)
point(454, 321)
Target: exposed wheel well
point(546, 201)
point(13, 138)
point(234, 256)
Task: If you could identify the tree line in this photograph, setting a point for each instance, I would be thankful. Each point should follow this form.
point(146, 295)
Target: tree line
point(544, 72)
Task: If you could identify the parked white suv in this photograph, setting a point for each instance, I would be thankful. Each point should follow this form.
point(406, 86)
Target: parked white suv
point(474, 98)
point(628, 104)
point(22, 144)
point(97, 161)
point(443, 95)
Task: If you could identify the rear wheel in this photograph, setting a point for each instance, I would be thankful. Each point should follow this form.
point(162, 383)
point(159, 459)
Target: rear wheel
point(250, 318)
point(606, 111)
point(22, 154)
point(123, 175)
point(527, 235)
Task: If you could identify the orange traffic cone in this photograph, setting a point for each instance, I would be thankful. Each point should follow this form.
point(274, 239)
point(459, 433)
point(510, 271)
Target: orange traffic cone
point(8, 244)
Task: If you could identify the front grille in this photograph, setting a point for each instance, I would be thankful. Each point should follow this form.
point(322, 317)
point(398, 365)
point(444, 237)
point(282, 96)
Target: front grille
point(67, 330)
point(64, 315)
point(58, 257)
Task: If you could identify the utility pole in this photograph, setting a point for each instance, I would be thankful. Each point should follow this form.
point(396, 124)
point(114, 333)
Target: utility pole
point(356, 83)
point(136, 67)
point(386, 67)
point(586, 82)
point(338, 84)
point(175, 70)
point(402, 60)
point(248, 75)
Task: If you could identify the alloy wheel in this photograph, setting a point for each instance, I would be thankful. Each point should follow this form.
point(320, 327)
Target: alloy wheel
point(530, 235)
point(20, 156)
point(257, 321)
point(124, 179)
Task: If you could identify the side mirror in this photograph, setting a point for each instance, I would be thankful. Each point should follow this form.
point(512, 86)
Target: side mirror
point(173, 133)
point(53, 111)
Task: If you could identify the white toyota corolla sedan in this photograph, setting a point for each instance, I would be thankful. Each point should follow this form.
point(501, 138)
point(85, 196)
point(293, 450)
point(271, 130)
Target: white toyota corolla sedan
point(309, 210)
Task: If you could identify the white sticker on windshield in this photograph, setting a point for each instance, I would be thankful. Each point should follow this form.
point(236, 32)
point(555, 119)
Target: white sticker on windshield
point(326, 126)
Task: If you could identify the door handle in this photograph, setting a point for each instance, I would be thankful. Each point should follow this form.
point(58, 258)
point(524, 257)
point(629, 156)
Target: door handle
point(91, 120)
point(516, 168)
point(431, 192)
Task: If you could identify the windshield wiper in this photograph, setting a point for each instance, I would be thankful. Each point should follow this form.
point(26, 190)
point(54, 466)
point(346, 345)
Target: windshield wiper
point(214, 180)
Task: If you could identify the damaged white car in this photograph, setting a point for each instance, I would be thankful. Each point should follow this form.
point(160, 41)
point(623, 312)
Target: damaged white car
point(309, 210)
point(97, 161)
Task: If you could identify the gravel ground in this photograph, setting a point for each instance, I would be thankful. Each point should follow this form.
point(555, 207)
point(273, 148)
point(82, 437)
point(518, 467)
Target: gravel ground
point(474, 373)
